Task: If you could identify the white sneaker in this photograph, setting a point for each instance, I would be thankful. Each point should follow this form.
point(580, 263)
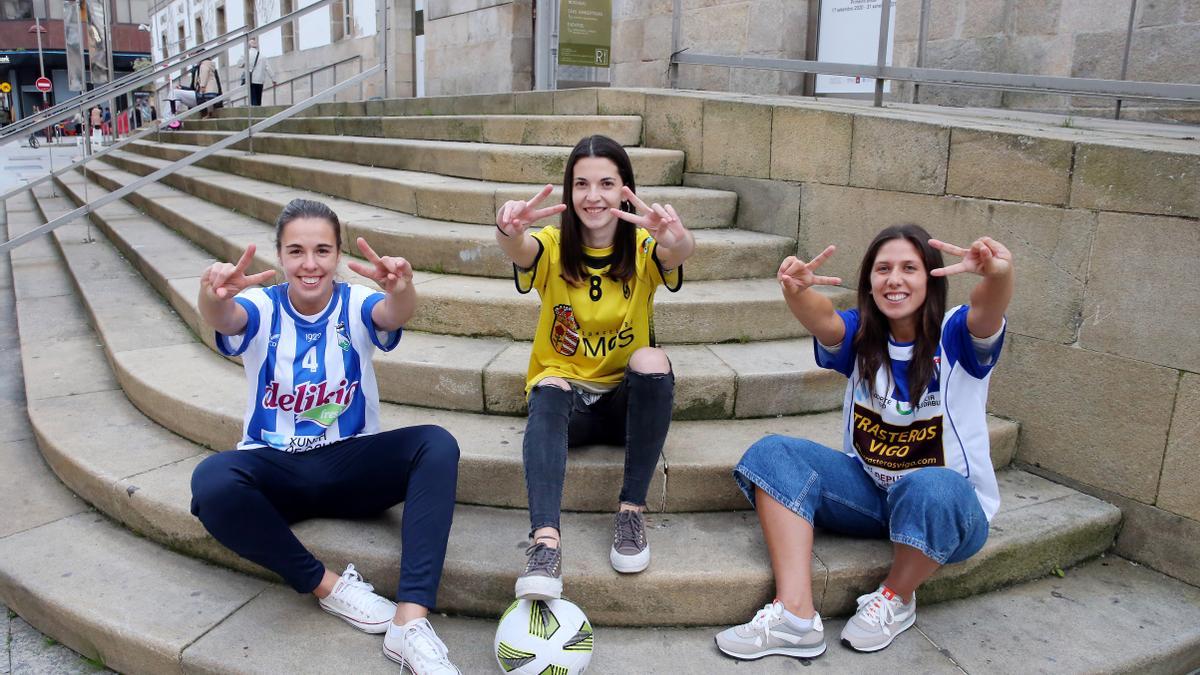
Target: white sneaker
point(355, 601)
point(881, 617)
point(415, 646)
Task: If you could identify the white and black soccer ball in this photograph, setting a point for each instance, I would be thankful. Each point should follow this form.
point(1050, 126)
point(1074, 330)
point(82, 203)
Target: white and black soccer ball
point(543, 637)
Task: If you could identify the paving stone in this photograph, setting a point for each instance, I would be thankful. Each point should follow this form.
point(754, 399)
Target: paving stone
point(1098, 418)
point(1176, 491)
point(810, 145)
point(901, 155)
point(1156, 321)
point(1009, 166)
point(32, 652)
point(93, 590)
point(1098, 600)
point(737, 139)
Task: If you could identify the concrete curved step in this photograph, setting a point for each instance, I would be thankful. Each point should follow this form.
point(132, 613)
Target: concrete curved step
point(498, 162)
point(511, 129)
point(703, 312)
point(433, 245)
point(426, 194)
point(460, 373)
point(709, 567)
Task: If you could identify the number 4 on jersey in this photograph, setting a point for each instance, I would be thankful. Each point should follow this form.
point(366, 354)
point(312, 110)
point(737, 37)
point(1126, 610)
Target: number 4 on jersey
point(310, 360)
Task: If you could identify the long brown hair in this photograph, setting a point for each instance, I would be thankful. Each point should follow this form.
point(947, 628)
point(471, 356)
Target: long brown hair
point(871, 339)
point(623, 259)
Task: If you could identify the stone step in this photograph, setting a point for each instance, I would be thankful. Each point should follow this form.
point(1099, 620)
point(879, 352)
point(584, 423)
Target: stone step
point(702, 312)
point(425, 194)
point(710, 568)
point(432, 245)
point(502, 163)
point(457, 373)
point(190, 390)
point(512, 129)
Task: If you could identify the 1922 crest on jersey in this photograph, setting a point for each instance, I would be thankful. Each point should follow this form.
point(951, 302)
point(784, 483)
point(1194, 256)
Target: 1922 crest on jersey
point(564, 334)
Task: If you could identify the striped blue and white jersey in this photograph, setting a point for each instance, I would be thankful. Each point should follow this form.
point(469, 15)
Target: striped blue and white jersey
point(310, 381)
point(948, 426)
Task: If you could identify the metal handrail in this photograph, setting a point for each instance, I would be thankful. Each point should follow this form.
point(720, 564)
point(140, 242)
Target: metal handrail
point(140, 77)
point(150, 128)
point(1080, 86)
point(187, 161)
point(292, 80)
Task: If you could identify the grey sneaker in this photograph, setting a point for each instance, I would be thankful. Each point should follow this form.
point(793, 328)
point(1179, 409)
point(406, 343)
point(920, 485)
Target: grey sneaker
point(880, 618)
point(770, 633)
point(542, 579)
point(630, 553)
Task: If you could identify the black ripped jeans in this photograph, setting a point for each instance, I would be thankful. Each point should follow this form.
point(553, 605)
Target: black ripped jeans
point(636, 414)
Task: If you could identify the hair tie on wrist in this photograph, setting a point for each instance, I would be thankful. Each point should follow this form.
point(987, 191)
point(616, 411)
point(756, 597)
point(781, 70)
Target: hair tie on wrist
point(501, 230)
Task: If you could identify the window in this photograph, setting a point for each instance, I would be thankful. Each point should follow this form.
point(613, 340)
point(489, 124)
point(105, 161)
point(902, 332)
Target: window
point(250, 18)
point(199, 34)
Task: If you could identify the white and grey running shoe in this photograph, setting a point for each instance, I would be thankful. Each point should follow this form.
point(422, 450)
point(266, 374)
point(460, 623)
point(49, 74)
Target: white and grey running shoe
point(542, 579)
point(630, 553)
point(769, 632)
point(880, 618)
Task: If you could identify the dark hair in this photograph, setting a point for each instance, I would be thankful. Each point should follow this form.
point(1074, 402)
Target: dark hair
point(623, 260)
point(307, 208)
point(871, 340)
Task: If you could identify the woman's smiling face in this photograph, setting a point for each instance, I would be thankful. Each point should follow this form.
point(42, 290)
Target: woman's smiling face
point(309, 255)
point(899, 281)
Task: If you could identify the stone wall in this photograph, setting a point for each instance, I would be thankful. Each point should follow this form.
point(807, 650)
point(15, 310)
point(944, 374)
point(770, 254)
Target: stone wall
point(478, 46)
point(1075, 38)
point(1101, 364)
point(766, 28)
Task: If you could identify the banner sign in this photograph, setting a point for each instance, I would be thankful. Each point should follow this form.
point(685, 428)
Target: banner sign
point(96, 36)
point(76, 80)
point(849, 33)
point(585, 33)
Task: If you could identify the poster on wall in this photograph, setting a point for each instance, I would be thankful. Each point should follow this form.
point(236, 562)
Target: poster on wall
point(96, 37)
point(585, 33)
point(849, 33)
point(76, 80)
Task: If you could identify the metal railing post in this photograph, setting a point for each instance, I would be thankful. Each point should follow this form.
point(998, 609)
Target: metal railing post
point(885, 15)
point(248, 73)
point(922, 36)
point(1125, 56)
point(676, 22)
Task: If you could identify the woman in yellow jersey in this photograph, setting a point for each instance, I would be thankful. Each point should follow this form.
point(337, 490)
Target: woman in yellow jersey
point(595, 372)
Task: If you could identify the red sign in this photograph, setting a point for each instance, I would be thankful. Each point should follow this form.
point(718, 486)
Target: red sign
point(43, 84)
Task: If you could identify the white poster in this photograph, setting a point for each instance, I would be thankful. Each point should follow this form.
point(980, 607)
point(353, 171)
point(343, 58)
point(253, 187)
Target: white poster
point(849, 33)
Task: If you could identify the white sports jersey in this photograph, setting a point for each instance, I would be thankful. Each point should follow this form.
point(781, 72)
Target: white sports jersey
point(948, 427)
point(311, 382)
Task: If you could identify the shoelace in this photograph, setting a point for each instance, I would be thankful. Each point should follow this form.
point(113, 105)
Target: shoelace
point(766, 617)
point(426, 646)
point(541, 557)
point(362, 593)
point(628, 529)
point(880, 612)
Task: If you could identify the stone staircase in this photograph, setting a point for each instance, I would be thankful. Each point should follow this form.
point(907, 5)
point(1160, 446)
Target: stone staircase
point(126, 394)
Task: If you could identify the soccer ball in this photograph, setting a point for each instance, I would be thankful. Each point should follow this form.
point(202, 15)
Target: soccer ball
point(543, 637)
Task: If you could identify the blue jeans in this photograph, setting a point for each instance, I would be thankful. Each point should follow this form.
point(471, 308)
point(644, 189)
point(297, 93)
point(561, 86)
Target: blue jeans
point(933, 510)
point(247, 498)
point(636, 414)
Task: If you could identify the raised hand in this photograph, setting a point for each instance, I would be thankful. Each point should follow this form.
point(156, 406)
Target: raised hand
point(223, 281)
point(660, 220)
point(516, 215)
point(392, 274)
point(796, 275)
point(986, 257)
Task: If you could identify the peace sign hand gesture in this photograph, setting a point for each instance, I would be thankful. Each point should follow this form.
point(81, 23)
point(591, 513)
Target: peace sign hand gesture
point(660, 221)
point(986, 257)
point(222, 281)
point(391, 273)
point(797, 276)
point(516, 215)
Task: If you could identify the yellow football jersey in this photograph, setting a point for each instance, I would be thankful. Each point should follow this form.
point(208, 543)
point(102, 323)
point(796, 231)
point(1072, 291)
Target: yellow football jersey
point(587, 333)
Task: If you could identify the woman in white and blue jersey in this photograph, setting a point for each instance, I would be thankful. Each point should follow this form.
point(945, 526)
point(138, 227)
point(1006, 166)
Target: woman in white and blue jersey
point(915, 464)
point(311, 444)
